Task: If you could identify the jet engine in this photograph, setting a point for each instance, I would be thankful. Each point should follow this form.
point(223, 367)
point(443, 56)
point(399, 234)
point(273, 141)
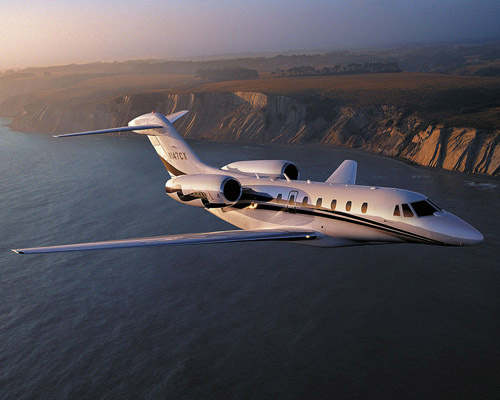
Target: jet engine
point(265, 168)
point(208, 191)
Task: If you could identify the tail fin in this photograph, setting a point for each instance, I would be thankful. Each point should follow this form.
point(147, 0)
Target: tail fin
point(174, 152)
point(345, 174)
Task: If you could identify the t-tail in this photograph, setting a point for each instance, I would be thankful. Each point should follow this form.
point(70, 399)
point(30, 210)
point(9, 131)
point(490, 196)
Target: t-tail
point(174, 152)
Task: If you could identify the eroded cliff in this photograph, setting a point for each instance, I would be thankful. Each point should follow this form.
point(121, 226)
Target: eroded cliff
point(245, 116)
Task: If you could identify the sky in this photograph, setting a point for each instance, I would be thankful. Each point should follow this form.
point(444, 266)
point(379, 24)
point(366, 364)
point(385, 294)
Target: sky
point(35, 33)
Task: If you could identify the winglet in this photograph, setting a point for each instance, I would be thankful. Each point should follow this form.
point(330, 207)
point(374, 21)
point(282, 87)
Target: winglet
point(345, 173)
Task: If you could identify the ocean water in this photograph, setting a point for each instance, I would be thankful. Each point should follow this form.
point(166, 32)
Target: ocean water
point(232, 321)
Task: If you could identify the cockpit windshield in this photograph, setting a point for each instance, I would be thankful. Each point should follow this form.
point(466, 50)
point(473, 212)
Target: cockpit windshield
point(424, 207)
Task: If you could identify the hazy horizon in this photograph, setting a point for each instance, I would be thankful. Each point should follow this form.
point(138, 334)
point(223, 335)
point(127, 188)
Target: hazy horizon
point(36, 35)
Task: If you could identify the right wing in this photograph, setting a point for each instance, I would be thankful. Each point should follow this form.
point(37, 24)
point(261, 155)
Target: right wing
point(172, 240)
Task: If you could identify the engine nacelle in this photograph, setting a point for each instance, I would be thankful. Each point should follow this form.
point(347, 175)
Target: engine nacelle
point(265, 168)
point(208, 191)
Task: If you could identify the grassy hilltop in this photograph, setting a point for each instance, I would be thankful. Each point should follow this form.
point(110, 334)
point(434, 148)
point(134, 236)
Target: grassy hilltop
point(459, 85)
point(448, 99)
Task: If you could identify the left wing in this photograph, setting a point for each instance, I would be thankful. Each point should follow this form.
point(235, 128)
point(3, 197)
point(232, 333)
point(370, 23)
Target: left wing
point(191, 238)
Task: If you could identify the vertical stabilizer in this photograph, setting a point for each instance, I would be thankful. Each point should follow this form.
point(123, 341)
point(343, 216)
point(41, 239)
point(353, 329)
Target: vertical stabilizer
point(345, 174)
point(175, 153)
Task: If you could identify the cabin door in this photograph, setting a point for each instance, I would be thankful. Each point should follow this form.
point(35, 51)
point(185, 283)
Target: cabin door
point(292, 201)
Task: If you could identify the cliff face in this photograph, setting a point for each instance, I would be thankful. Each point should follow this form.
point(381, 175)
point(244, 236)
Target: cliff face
point(257, 117)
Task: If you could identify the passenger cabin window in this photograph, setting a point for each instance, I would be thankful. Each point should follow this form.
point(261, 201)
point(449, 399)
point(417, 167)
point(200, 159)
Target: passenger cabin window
point(423, 208)
point(305, 201)
point(291, 200)
point(396, 211)
point(364, 207)
point(278, 199)
point(407, 212)
point(318, 202)
point(348, 205)
point(333, 205)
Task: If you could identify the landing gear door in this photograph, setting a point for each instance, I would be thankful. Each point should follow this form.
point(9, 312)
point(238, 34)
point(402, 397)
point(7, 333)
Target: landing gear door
point(292, 201)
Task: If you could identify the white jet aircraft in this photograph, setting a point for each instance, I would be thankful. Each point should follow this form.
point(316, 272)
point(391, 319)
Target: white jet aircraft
point(268, 202)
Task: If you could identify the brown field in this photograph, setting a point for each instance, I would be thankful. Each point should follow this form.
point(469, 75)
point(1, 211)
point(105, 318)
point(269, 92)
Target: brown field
point(392, 89)
point(78, 89)
point(449, 99)
point(483, 119)
point(400, 81)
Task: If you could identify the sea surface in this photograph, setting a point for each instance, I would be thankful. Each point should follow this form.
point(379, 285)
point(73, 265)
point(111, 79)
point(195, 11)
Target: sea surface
point(232, 321)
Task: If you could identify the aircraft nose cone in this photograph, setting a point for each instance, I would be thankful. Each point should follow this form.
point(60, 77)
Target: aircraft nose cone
point(461, 233)
point(472, 236)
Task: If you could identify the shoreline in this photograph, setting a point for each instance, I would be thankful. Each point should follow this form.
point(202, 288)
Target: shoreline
point(360, 150)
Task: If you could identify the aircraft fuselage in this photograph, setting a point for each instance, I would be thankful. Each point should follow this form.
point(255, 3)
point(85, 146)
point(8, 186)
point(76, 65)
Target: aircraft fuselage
point(346, 214)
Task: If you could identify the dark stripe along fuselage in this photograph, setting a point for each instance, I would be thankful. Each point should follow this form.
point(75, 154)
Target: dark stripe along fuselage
point(335, 215)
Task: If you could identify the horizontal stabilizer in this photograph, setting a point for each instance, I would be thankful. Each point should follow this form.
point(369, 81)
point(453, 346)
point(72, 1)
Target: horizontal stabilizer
point(182, 239)
point(345, 174)
point(112, 130)
point(175, 116)
point(171, 118)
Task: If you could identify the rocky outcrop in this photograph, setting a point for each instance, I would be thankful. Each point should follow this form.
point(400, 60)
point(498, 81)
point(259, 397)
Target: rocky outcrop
point(258, 117)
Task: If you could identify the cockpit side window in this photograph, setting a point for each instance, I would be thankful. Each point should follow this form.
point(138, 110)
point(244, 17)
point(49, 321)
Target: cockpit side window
point(407, 212)
point(434, 204)
point(396, 211)
point(423, 208)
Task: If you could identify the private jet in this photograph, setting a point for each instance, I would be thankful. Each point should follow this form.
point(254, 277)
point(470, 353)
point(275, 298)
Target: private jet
point(267, 201)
